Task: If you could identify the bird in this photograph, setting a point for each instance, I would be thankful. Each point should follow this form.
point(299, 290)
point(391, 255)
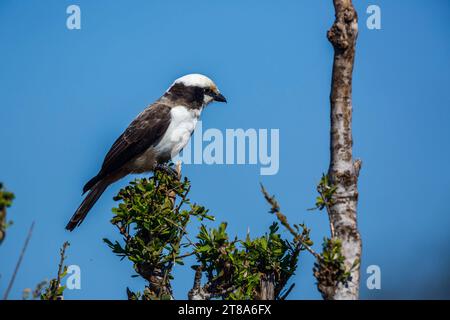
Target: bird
point(153, 138)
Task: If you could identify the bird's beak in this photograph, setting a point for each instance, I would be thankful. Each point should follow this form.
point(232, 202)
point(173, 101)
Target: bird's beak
point(219, 98)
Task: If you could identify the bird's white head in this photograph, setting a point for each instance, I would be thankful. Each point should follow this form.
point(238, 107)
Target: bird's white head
point(195, 80)
point(198, 88)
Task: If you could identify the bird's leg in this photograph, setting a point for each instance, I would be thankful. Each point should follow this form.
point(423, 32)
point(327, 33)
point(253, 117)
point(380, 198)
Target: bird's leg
point(166, 169)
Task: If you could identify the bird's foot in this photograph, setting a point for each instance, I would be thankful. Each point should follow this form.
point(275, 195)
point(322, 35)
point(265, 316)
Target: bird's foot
point(166, 169)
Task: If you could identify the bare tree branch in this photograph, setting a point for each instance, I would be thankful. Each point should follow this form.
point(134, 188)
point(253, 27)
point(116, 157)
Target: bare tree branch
point(62, 257)
point(343, 171)
point(55, 290)
point(16, 269)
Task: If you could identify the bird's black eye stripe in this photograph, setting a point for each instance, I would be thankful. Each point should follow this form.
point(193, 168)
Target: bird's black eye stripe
point(208, 91)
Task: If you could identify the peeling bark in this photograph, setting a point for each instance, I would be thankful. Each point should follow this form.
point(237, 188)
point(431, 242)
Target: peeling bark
point(197, 292)
point(343, 171)
point(267, 287)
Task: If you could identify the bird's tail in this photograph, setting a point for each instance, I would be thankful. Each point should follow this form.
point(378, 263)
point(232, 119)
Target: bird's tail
point(91, 198)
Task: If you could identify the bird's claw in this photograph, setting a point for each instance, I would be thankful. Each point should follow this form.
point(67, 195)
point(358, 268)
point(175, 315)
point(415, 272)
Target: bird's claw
point(166, 169)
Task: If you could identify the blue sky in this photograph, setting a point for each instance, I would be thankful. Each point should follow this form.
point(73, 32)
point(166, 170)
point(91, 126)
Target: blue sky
point(65, 95)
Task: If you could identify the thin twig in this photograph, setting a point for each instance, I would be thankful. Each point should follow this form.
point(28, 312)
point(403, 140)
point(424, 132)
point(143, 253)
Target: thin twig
point(62, 253)
point(282, 218)
point(327, 207)
point(16, 269)
point(183, 230)
point(186, 255)
point(183, 199)
point(123, 231)
point(284, 296)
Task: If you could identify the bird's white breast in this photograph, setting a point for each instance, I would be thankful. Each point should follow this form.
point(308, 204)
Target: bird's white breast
point(182, 124)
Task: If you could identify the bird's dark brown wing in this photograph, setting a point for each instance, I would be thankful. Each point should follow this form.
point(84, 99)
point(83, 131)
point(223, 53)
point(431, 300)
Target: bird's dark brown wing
point(145, 131)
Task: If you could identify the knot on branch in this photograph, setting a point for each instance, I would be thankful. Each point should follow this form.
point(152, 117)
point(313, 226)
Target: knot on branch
point(344, 31)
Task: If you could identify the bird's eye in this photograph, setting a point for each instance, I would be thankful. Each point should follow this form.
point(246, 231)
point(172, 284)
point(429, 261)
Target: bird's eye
point(208, 91)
